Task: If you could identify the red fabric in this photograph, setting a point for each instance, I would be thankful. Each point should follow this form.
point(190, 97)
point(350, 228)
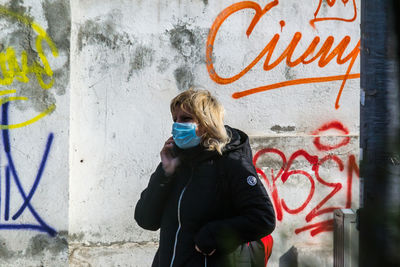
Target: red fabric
point(268, 242)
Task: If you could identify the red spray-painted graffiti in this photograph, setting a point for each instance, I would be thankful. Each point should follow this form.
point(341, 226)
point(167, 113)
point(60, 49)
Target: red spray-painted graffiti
point(286, 172)
point(324, 56)
point(331, 3)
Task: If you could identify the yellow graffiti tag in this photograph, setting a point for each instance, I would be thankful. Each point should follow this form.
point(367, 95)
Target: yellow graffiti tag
point(6, 92)
point(11, 69)
point(14, 70)
point(50, 109)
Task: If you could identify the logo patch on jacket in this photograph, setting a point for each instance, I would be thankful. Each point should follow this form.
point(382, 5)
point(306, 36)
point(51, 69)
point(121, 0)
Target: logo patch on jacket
point(251, 180)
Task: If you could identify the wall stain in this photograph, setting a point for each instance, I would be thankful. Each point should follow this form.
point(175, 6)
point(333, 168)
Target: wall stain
point(184, 78)
point(324, 8)
point(39, 99)
point(288, 74)
point(76, 237)
point(4, 252)
point(18, 35)
point(102, 31)
point(188, 42)
point(43, 242)
point(17, 6)
point(279, 129)
point(163, 65)
point(58, 16)
point(142, 58)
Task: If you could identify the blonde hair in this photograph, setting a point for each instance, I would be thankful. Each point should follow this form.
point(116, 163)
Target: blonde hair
point(208, 113)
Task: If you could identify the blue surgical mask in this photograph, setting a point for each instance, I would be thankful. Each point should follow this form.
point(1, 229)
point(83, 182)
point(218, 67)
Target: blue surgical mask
point(184, 135)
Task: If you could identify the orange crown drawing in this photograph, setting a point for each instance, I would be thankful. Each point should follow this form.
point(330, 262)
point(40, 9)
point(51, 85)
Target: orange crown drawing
point(340, 5)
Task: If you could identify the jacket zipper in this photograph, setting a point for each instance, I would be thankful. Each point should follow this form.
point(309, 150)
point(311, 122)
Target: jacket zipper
point(205, 261)
point(179, 218)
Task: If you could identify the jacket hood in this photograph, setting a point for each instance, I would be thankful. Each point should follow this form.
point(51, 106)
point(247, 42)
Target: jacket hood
point(239, 143)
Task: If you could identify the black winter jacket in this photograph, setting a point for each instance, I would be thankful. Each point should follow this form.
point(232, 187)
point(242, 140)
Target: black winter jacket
point(196, 206)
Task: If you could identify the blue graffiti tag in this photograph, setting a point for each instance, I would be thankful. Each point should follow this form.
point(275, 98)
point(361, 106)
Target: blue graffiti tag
point(10, 170)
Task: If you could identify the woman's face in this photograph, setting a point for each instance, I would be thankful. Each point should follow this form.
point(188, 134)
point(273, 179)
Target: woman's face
point(183, 117)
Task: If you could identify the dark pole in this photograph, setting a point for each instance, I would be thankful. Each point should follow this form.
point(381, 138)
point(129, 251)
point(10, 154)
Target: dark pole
point(379, 220)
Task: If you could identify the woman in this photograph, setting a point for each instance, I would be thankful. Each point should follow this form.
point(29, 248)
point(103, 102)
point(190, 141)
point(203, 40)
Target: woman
point(205, 195)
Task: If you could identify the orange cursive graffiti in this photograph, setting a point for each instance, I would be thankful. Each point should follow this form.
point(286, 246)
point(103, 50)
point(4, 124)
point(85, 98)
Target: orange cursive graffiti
point(324, 55)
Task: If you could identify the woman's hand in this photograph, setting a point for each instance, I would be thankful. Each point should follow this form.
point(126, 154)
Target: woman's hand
point(169, 161)
point(198, 250)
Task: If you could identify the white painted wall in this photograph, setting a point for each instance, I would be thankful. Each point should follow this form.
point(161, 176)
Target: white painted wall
point(129, 58)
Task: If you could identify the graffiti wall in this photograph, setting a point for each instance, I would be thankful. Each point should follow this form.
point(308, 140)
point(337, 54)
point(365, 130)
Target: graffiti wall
point(287, 73)
point(85, 91)
point(34, 81)
point(308, 178)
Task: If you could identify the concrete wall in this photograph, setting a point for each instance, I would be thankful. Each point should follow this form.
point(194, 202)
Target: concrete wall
point(34, 146)
point(128, 59)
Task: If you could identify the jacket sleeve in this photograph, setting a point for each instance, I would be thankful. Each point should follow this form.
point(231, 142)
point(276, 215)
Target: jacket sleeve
point(253, 218)
point(150, 207)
